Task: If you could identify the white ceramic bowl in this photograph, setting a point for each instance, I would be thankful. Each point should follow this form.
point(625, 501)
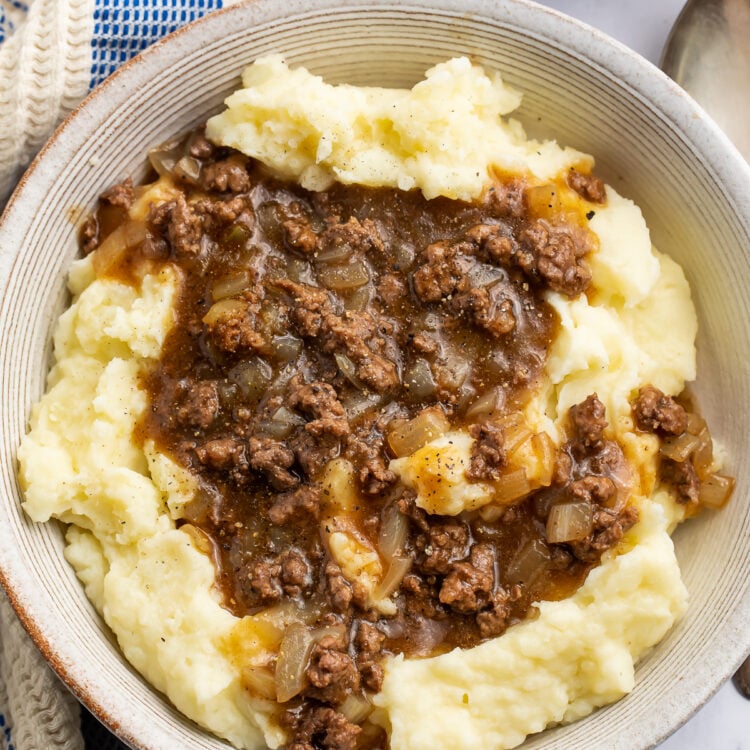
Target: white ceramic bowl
point(651, 142)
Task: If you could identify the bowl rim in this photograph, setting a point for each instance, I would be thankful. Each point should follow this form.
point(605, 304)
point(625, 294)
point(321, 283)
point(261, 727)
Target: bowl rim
point(641, 77)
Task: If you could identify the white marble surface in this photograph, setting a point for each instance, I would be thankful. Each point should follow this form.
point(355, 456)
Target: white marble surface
point(724, 722)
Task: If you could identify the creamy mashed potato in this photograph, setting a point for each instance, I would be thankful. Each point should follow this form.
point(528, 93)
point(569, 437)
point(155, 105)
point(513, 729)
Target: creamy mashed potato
point(153, 584)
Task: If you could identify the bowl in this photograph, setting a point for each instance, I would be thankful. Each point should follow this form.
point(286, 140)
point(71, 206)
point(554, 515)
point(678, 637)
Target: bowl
point(652, 143)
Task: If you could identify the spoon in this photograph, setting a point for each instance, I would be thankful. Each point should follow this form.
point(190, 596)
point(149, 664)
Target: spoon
point(708, 54)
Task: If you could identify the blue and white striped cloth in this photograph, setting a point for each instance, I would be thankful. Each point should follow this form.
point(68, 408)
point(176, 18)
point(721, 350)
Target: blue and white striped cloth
point(53, 52)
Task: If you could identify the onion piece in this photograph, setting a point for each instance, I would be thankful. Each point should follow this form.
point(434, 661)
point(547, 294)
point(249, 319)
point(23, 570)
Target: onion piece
point(681, 447)
point(569, 522)
point(696, 424)
point(419, 380)
point(348, 370)
point(394, 529)
point(252, 376)
point(406, 438)
point(483, 274)
point(703, 457)
point(335, 253)
point(356, 708)
point(294, 655)
point(281, 423)
point(529, 562)
point(544, 448)
point(360, 404)
point(487, 404)
point(398, 568)
point(222, 309)
point(715, 491)
point(286, 348)
point(230, 285)
point(164, 157)
point(512, 486)
point(128, 235)
point(359, 299)
point(188, 168)
point(341, 278)
point(201, 541)
point(259, 681)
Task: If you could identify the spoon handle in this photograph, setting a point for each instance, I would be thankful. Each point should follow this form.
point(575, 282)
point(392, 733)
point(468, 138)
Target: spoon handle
point(741, 679)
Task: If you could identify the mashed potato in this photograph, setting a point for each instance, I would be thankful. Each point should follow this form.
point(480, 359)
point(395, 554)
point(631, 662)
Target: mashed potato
point(153, 584)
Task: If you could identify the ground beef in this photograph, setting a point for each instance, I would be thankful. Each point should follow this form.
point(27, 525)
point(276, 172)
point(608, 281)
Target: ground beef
point(609, 527)
point(655, 412)
point(554, 254)
point(222, 453)
point(489, 309)
point(274, 459)
point(352, 235)
point(332, 672)
point(587, 186)
point(323, 729)
point(487, 454)
point(234, 328)
point(369, 644)
point(588, 423)
point(593, 489)
point(288, 574)
point(180, 225)
point(443, 272)
point(302, 502)
point(339, 589)
point(198, 404)
point(507, 199)
point(229, 175)
point(493, 621)
point(444, 544)
point(682, 475)
point(468, 585)
point(122, 195)
point(320, 402)
point(493, 243)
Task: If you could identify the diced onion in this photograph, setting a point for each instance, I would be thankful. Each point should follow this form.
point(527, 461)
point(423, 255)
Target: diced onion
point(515, 431)
point(569, 522)
point(487, 404)
point(544, 448)
point(394, 529)
point(348, 370)
point(334, 253)
point(356, 708)
point(361, 403)
point(407, 437)
point(294, 655)
point(281, 424)
point(199, 538)
point(543, 199)
point(286, 348)
point(696, 424)
point(222, 309)
point(703, 457)
point(512, 486)
point(128, 235)
point(259, 681)
point(716, 491)
point(419, 379)
point(681, 447)
point(529, 562)
point(359, 299)
point(398, 568)
point(340, 278)
point(253, 377)
point(483, 274)
point(164, 157)
point(230, 285)
point(188, 168)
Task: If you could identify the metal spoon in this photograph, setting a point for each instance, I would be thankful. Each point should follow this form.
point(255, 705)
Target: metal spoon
point(708, 54)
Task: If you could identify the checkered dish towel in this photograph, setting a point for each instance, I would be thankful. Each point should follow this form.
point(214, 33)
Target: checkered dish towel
point(52, 53)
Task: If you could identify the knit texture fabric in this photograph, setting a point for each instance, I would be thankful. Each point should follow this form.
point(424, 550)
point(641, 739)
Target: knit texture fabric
point(52, 53)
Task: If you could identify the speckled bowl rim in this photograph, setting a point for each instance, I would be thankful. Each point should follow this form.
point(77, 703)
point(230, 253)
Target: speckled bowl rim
point(640, 75)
